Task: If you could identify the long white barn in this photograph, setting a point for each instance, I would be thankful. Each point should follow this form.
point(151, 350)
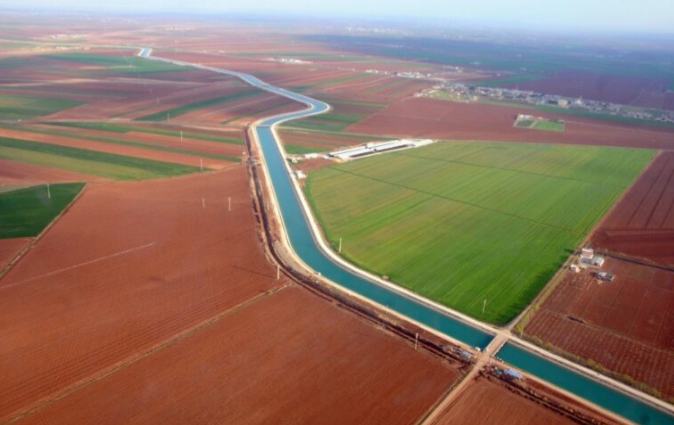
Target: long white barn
point(373, 148)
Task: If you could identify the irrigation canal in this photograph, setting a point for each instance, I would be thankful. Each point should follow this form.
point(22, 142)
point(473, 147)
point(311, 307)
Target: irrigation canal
point(302, 239)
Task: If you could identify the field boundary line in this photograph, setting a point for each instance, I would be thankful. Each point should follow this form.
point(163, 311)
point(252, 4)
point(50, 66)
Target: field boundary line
point(85, 263)
point(131, 360)
point(37, 238)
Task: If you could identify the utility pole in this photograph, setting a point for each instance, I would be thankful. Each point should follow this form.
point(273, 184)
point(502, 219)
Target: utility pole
point(484, 305)
point(340, 245)
point(48, 192)
point(229, 203)
point(416, 342)
point(278, 272)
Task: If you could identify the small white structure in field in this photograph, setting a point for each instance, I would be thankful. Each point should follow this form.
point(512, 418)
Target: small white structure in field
point(598, 261)
point(587, 253)
point(300, 175)
point(575, 268)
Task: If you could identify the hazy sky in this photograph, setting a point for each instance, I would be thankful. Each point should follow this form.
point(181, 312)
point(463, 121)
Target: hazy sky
point(631, 15)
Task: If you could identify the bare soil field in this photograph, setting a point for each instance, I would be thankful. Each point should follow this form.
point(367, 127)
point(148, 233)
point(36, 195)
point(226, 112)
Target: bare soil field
point(242, 64)
point(365, 85)
point(335, 81)
point(323, 141)
point(403, 88)
point(379, 64)
point(486, 402)
point(9, 248)
point(636, 91)
point(307, 77)
point(625, 326)
point(156, 293)
point(241, 112)
point(438, 119)
point(263, 363)
point(129, 266)
point(17, 173)
point(642, 224)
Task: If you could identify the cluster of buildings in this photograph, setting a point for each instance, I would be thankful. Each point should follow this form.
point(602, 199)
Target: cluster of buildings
point(590, 260)
point(470, 93)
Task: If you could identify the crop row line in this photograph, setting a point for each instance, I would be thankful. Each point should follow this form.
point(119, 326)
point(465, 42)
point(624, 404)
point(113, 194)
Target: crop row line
point(551, 226)
point(494, 167)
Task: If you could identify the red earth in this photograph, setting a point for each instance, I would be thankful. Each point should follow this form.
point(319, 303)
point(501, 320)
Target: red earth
point(128, 267)
point(157, 293)
point(485, 402)
point(286, 355)
point(321, 140)
point(588, 318)
point(10, 248)
point(642, 223)
point(436, 119)
point(17, 173)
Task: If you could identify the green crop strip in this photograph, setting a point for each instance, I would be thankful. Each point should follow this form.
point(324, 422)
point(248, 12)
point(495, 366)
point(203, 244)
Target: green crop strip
point(26, 212)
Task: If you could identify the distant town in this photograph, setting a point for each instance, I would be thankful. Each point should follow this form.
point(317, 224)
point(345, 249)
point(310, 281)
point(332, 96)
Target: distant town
point(462, 92)
point(470, 93)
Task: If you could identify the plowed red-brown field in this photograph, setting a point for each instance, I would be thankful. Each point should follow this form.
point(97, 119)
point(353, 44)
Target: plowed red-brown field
point(289, 357)
point(438, 119)
point(626, 326)
point(642, 223)
point(159, 276)
point(128, 266)
point(242, 112)
point(322, 141)
point(485, 402)
point(9, 248)
point(17, 173)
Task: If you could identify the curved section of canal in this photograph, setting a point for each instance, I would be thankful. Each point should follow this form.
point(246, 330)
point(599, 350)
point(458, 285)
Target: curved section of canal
point(309, 250)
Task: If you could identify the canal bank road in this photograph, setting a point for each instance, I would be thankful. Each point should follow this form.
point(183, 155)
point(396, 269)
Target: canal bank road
point(308, 246)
